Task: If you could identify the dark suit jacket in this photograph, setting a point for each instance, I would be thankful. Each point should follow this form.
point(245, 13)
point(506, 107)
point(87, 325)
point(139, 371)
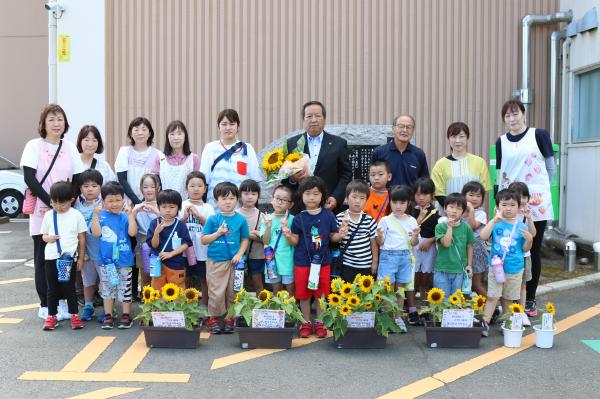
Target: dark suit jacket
point(333, 164)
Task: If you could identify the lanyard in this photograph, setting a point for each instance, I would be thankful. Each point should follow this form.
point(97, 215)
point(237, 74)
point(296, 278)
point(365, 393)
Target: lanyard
point(170, 235)
point(382, 206)
point(56, 231)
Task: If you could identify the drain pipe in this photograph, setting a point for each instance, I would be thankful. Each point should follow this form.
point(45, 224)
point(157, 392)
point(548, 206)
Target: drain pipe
point(525, 94)
point(555, 39)
point(55, 10)
point(564, 133)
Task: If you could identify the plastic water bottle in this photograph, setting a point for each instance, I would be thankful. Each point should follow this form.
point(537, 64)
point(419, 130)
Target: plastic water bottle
point(270, 264)
point(466, 285)
point(335, 253)
point(498, 269)
point(315, 270)
point(113, 274)
point(238, 277)
point(145, 251)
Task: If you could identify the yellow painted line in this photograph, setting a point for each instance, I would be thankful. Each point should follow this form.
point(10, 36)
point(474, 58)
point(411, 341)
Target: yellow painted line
point(17, 280)
point(88, 355)
point(470, 366)
point(132, 358)
point(20, 307)
point(103, 377)
point(256, 353)
point(9, 320)
point(106, 393)
point(204, 335)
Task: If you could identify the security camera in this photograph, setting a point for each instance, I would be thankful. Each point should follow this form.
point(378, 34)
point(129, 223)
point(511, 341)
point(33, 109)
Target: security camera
point(54, 6)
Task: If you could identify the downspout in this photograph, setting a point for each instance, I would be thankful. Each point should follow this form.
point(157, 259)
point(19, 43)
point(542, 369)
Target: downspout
point(555, 40)
point(564, 131)
point(52, 55)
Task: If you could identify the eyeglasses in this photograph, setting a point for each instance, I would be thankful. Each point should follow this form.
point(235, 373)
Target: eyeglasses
point(280, 200)
point(309, 117)
point(402, 126)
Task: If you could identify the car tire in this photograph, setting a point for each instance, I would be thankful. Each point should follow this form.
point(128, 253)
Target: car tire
point(11, 203)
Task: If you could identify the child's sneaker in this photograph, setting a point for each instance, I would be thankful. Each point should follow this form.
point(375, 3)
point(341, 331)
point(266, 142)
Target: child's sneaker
point(531, 309)
point(228, 325)
point(63, 311)
point(401, 325)
point(76, 323)
point(486, 328)
point(43, 313)
point(87, 313)
point(414, 319)
point(125, 321)
point(100, 317)
point(50, 323)
point(212, 325)
point(495, 315)
point(305, 330)
point(108, 322)
point(320, 330)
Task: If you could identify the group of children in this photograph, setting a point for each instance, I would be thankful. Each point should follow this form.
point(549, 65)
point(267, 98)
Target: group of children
point(396, 234)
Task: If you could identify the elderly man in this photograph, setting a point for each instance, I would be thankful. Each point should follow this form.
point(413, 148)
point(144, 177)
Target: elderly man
point(328, 155)
point(408, 162)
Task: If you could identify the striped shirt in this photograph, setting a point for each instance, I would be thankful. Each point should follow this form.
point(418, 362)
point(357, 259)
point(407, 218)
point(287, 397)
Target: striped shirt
point(358, 254)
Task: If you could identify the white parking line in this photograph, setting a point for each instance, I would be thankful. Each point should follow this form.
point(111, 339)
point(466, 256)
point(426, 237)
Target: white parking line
point(19, 220)
point(5, 232)
point(12, 260)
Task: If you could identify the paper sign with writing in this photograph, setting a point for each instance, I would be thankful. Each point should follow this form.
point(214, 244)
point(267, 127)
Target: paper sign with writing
point(361, 320)
point(264, 318)
point(517, 321)
point(457, 318)
point(547, 322)
point(168, 319)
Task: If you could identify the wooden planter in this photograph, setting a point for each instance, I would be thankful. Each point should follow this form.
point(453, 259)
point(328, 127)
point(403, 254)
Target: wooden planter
point(265, 338)
point(169, 337)
point(444, 337)
point(361, 338)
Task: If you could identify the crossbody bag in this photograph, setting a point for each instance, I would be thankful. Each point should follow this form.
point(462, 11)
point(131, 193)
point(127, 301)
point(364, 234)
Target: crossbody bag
point(30, 198)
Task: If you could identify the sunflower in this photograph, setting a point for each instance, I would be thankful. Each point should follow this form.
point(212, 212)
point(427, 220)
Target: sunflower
point(479, 303)
point(377, 297)
point(148, 294)
point(273, 160)
point(334, 299)
point(550, 308)
point(357, 278)
point(366, 283)
point(191, 295)
point(239, 295)
point(155, 295)
point(293, 157)
point(287, 301)
point(345, 310)
point(354, 301)
point(283, 294)
point(515, 308)
point(170, 291)
point(460, 295)
point(336, 283)
point(368, 305)
point(264, 296)
point(293, 300)
point(388, 287)
point(454, 299)
point(435, 296)
point(347, 290)
point(387, 279)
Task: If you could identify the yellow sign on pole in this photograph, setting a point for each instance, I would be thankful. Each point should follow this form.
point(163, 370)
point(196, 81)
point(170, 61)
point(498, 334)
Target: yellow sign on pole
point(64, 48)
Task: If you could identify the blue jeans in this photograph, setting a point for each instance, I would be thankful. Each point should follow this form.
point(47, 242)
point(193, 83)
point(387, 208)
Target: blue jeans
point(396, 265)
point(448, 282)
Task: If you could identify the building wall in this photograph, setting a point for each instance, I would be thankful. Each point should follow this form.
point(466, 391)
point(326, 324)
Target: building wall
point(442, 61)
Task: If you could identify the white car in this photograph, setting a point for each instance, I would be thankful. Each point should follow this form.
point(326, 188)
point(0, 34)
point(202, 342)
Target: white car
point(12, 188)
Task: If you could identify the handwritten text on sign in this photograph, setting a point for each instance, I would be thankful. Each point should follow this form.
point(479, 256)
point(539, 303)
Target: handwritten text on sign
point(457, 318)
point(361, 320)
point(547, 322)
point(168, 319)
point(264, 318)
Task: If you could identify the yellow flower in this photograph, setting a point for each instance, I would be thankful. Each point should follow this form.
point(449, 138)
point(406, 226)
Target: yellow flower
point(347, 290)
point(148, 294)
point(366, 283)
point(357, 278)
point(550, 308)
point(353, 301)
point(515, 308)
point(264, 296)
point(273, 160)
point(283, 294)
point(460, 295)
point(368, 306)
point(155, 295)
point(293, 157)
point(345, 310)
point(287, 301)
point(170, 291)
point(377, 297)
point(479, 303)
point(454, 299)
point(336, 283)
point(388, 287)
point(334, 299)
point(191, 295)
point(239, 295)
point(387, 279)
point(293, 299)
point(435, 296)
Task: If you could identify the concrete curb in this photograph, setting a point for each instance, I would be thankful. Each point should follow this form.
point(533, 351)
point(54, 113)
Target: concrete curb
point(564, 285)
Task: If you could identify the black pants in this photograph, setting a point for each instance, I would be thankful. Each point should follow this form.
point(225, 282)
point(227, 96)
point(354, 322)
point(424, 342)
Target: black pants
point(40, 269)
point(57, 290)
point(349, 273)
point(536, 259)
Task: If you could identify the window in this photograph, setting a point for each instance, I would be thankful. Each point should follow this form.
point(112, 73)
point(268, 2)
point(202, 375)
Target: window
point(5, 164)
point(586, 107)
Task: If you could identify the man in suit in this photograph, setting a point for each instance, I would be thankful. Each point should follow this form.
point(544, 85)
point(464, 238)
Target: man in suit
point(328, 155)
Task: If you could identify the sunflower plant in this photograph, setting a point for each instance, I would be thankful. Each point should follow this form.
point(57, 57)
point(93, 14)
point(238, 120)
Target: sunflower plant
point(279, 163)
point(364, 294)
point(457, 300)
point(245, 302)
point(550, 309)
point(507, 317)
point(171, 298)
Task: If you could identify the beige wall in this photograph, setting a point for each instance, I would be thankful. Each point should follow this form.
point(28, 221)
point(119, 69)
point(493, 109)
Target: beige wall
point(23, 73)
point(366, 60)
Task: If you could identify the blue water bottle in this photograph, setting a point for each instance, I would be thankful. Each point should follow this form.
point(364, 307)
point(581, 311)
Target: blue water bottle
point(238, 277)
point(270, 264)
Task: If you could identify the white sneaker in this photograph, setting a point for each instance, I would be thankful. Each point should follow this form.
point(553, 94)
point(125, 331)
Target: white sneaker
point(43, 313)
point(63, 311)
point(401, 325)
point(526, 322)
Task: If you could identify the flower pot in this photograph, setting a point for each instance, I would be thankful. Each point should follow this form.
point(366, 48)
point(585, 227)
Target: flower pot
point(265, 338)
point(169, 337)
point(361, 338)
point(543, 338)
point(445, 337)
point(512, 338)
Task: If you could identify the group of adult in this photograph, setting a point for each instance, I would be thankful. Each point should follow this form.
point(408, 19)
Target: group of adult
point(523, 154)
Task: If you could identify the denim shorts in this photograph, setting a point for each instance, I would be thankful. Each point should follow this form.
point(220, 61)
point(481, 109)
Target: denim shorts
point(283, 279)
point(256, 266)
point(448, 282)
point(395, 264)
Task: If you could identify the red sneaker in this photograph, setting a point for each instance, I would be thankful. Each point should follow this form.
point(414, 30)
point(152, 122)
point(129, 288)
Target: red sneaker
point(50, 323)
point(212, 325)
point(76, 323)
point(320, 329)
point(228, 325)
point(305, 330)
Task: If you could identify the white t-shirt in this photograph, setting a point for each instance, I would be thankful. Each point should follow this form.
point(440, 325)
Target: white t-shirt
point(195, 227)
point(70, 224)
point(141, 163)
point(480, 217)
point(394, 240)
point(31, 155)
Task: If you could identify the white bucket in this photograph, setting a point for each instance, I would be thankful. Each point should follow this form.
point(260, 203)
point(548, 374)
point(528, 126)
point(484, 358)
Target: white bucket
point(512, 338)
point(543, 338)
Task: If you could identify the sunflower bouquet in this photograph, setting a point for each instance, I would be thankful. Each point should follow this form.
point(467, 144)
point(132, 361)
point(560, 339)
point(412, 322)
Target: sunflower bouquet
point(279, 164)
point(244, 303)
point(457, 300)
point(364, 294)
point(171, 298)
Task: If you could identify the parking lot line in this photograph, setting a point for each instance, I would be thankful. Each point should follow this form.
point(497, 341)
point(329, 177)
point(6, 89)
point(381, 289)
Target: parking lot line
point(132, 358)
point(12, 260)
point(9, 320)
point(16, 280)
point(19, 307)
point(106, 393)
point(103, 377)
point(88, 355)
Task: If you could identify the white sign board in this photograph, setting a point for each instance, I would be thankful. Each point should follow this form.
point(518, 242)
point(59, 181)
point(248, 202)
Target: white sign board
point(517, 321)
point(264, 318)
point(361, 320)
point(168, 319)
point(457, 318)
point(547, 322)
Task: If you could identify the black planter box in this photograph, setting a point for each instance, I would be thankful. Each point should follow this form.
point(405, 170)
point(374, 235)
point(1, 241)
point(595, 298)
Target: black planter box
point(444, 337)
point(169, 337)
point(265, 338)
point(361, 338)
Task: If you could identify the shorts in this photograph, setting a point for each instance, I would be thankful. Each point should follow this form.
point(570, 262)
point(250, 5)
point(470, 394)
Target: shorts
point(301, 278)
point(448, 282)
point(527, 276)
point(256, 266)
point(168, 275)
point(509, 290)
point(396, 265)
point(121, 292)
point(481, 255)
point(285, 279)
point(90, 273)
point(198, 270)
point(424, 261)
point(349, 273)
